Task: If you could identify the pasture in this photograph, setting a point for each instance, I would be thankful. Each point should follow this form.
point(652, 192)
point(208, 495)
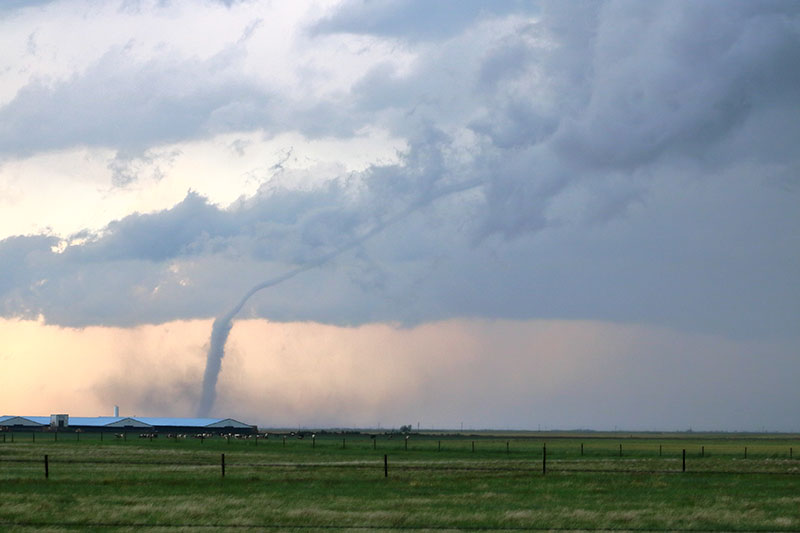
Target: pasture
point(512, 481)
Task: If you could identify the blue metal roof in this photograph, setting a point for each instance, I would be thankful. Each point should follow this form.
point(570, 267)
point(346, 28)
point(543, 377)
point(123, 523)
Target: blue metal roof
point(121, 421)
point(41, 420)
point(101, 421)
point(93, 420)
point(188, 422)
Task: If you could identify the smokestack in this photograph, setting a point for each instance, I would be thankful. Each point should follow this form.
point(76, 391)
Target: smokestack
point(116, 410)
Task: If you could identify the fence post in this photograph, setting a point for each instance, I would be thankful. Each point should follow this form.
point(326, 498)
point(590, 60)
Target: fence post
point(507, 451)
point(620, 449)
point(544, 459)
point(684, 460)
point(343, 445)
point(46, 468)
point(702, 451)
point(375, 443)
point(473, 446)
point(581, 449)
point(223, 465)
point(440, 446)
point(406, 442)
point(385, 466)
point(790, 449)
point(313, 441)
point(284, 441)
point(745, 452)
point(33, 436)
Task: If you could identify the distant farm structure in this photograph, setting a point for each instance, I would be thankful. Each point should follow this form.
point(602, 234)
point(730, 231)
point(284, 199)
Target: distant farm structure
point(116, 424)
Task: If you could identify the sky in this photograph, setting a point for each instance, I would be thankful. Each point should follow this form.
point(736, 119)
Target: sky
point(510, 214)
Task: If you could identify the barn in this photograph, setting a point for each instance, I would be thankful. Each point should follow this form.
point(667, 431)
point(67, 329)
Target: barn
point(105, 423)
point(64, 422)
point(199, 425)
point(27, 423)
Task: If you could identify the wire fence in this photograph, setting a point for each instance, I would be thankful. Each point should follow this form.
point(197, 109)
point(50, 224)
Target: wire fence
point(49, 464)
point(777, 459)
point(26, 464)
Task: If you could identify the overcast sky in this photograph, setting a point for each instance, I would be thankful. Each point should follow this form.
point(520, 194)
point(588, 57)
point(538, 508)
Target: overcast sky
point(559, 214)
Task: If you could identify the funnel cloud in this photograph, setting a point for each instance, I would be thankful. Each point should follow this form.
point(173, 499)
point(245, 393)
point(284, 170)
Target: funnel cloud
point(221, 327)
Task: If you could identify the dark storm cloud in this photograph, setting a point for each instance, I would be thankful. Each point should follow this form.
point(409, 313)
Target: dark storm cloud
point(633, 162)
point(697, 72)
point(175, 232)
point(22, 258)
point(656, 264)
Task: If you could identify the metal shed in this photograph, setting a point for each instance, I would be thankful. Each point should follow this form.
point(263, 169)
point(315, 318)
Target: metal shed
point(109, 422)
point(24, 422)
point(120, 423)
point(198, 425)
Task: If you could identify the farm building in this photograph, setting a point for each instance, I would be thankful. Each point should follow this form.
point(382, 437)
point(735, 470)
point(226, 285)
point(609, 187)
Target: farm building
point(23, 422)
point(198, 425)
point(65, 422)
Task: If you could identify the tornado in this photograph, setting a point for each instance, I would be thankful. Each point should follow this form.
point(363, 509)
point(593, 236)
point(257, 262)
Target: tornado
point(223, 324)
point(219, 336)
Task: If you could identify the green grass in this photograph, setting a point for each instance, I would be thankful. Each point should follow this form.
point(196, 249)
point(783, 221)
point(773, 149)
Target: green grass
point(438, 483)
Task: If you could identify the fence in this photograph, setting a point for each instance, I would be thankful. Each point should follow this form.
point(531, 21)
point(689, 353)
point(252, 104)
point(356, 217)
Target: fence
point(53, 466)
point(463, 453)
point(677, 466)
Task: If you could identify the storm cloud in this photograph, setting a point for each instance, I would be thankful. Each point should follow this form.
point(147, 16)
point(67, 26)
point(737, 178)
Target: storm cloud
point(633, 161)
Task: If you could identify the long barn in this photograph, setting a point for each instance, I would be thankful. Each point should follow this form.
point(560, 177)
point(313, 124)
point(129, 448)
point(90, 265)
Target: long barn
point(65, 422)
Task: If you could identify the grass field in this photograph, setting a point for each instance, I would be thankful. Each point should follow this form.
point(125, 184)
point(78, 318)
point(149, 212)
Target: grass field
point(486, 482)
